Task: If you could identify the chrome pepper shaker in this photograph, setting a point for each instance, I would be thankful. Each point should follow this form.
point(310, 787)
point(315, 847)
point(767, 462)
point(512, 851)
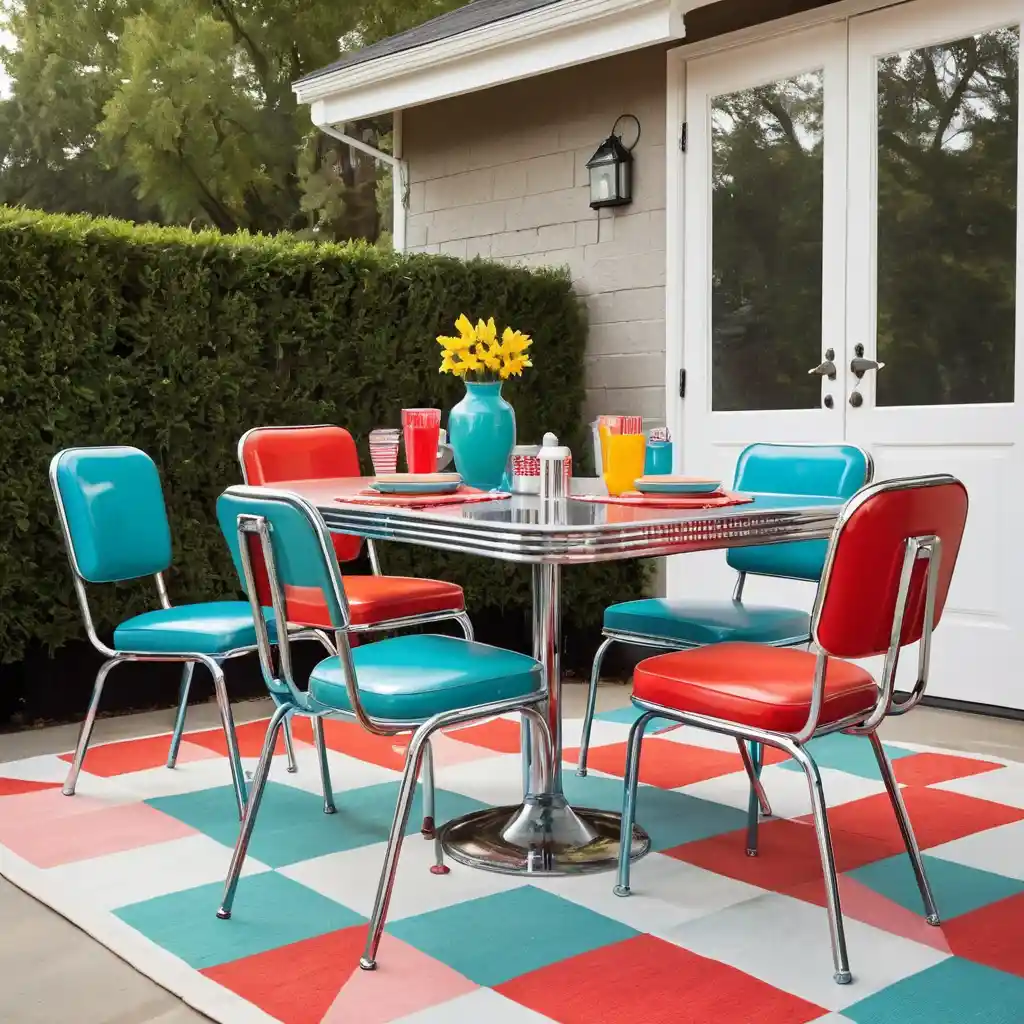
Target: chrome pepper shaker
point(555, 462)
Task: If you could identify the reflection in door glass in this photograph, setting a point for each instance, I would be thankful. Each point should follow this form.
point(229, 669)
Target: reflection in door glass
point(767, 165)
point(947, 221)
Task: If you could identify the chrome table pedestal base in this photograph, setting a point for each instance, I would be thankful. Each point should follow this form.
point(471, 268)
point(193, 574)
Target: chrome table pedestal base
point(543, 836)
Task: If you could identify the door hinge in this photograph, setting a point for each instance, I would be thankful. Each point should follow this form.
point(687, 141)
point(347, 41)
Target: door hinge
point(682, 137)
point(682, 383)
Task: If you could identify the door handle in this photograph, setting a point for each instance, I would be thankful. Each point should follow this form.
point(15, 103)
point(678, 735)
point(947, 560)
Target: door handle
point(859, 365)
point(828, 367)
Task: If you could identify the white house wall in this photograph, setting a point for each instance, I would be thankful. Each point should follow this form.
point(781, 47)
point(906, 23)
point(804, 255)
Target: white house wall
point(501, 174)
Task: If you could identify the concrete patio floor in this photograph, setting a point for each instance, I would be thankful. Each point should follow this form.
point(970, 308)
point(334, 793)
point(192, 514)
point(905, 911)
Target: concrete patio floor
point(52, 971)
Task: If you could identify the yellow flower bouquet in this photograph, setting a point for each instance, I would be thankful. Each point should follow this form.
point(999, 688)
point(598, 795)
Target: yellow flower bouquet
point(477, 354)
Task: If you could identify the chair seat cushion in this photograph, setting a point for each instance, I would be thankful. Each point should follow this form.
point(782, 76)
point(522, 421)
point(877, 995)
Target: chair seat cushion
point(214, 627)
point(379, 598)
point(749, 684)
point(709, 622)
point(376, 599)
point(411, 678)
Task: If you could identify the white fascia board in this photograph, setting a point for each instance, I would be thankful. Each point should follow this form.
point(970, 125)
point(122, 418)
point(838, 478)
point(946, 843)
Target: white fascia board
point(562, 35)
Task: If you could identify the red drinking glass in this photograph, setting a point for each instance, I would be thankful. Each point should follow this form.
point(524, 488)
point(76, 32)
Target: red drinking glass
point(422, 429)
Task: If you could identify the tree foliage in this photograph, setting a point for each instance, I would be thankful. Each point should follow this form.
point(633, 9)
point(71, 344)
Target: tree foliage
point(182, 111)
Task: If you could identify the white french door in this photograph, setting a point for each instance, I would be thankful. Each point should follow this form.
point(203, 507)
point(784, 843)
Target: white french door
point(851, 196)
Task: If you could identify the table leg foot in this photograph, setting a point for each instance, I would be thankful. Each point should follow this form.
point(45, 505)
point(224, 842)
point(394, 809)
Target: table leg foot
point(544, 836)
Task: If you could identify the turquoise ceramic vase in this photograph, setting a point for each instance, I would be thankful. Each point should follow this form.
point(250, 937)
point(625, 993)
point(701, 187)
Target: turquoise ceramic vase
point(482, 433)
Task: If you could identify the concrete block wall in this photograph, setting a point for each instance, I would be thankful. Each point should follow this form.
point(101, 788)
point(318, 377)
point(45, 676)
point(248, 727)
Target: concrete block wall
point(502, 175)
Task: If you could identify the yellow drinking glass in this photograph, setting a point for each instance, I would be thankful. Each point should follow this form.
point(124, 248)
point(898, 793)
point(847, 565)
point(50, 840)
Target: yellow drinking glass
point(625, 462)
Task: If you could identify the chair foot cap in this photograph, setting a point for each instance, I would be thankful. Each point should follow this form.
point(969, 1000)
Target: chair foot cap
point(751, 851)
point(427, 831)
point(366, 964)
point(67, 792)
point(330, 809)
point(224, 915)
point(292, 769)
point(172, 762)
point(621, 890)
point(440, 869)
point(842, 977)
point(933, 920)
point(581, 772)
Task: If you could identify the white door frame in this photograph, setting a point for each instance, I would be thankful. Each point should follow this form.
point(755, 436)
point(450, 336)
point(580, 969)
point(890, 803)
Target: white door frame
point(675, 161)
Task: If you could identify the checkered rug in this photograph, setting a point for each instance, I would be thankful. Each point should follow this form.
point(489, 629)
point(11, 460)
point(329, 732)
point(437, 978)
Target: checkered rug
point(137, 859)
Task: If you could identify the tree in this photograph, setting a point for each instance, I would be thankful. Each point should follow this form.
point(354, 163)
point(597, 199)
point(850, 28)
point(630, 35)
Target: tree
point(182, 110)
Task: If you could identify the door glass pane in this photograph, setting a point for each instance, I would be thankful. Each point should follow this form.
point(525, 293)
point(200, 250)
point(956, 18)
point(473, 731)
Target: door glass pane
point(947, 221)
point(767, 166)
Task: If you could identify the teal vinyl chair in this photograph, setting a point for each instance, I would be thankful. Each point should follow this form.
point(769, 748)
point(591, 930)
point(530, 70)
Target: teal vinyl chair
point(831, 471)
point(114, 520)
point(412, 683)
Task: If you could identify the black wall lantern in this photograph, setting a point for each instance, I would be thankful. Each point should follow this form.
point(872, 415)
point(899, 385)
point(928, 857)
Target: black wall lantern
point(611, 169)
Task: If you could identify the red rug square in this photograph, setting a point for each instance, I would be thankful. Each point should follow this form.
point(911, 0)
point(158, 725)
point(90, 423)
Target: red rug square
point(250, 739)
point(647, 979)
point(663, 763)
point(11, 787)
point(936, 815)
point(788, 856)
point(296, 983)
point(501, 735)
point(109, 759)
point(927, 769)
point(352, 739)
point(991, 935)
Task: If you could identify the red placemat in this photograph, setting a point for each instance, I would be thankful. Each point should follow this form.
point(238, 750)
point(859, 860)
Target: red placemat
point(718, 499)
point(462, 496)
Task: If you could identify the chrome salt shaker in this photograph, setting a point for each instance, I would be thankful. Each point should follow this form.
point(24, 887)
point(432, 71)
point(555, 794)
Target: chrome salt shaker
point(555, 463)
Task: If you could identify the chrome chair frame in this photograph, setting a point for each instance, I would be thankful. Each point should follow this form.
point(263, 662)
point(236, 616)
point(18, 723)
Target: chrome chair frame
point(927, 548)
point(754, 757)
point(386, 625)
point(113, 658)
point(419, 752)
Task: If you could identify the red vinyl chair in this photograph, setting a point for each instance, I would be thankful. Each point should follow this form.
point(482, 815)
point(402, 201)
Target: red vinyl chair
point(274, 455)
point(887, 574)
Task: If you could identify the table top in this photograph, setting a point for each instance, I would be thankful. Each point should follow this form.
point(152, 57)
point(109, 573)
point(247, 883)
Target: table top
point(521, 529)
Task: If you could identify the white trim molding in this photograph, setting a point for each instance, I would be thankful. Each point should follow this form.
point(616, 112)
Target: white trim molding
point(546, 39)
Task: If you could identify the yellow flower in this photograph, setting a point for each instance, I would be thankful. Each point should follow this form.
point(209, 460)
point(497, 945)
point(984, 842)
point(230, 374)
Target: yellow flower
point(486, 332)
point(448, 364)
point(514, 342)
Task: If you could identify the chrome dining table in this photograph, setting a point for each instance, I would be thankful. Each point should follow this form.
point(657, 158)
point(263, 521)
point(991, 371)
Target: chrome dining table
point(544, 834)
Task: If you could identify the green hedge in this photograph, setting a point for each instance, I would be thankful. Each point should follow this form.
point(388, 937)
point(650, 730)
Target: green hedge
point(177, 342)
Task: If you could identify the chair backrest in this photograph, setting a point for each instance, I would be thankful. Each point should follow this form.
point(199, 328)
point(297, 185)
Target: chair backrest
point(303, 580)
point(112, 512)
point(303, 556)
point(892, 542)
point(271, 455)
point(835, 471)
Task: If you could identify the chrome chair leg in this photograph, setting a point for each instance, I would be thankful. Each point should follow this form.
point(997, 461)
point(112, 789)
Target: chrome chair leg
point(289, 747)
point(259, 783)
point(909, 839)
point(325, 769)
point(467, 626)
point(588, 718)
point(85, 733)
point(368, 961)
point(526, 753)
point(179, 720)
point(752, 761)
point(840, 957)
point(633, 748)
point(227, 722)
point(427, 831)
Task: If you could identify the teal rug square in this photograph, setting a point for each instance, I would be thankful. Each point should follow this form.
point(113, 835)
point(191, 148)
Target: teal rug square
point(851, 754)
point(291, 825)
point(958, 889)
point(269, 911)
point(669, 818)
point(496, 938)
point(952, 992)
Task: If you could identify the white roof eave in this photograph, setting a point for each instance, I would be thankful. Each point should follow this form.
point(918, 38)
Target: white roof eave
point(547, 39)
